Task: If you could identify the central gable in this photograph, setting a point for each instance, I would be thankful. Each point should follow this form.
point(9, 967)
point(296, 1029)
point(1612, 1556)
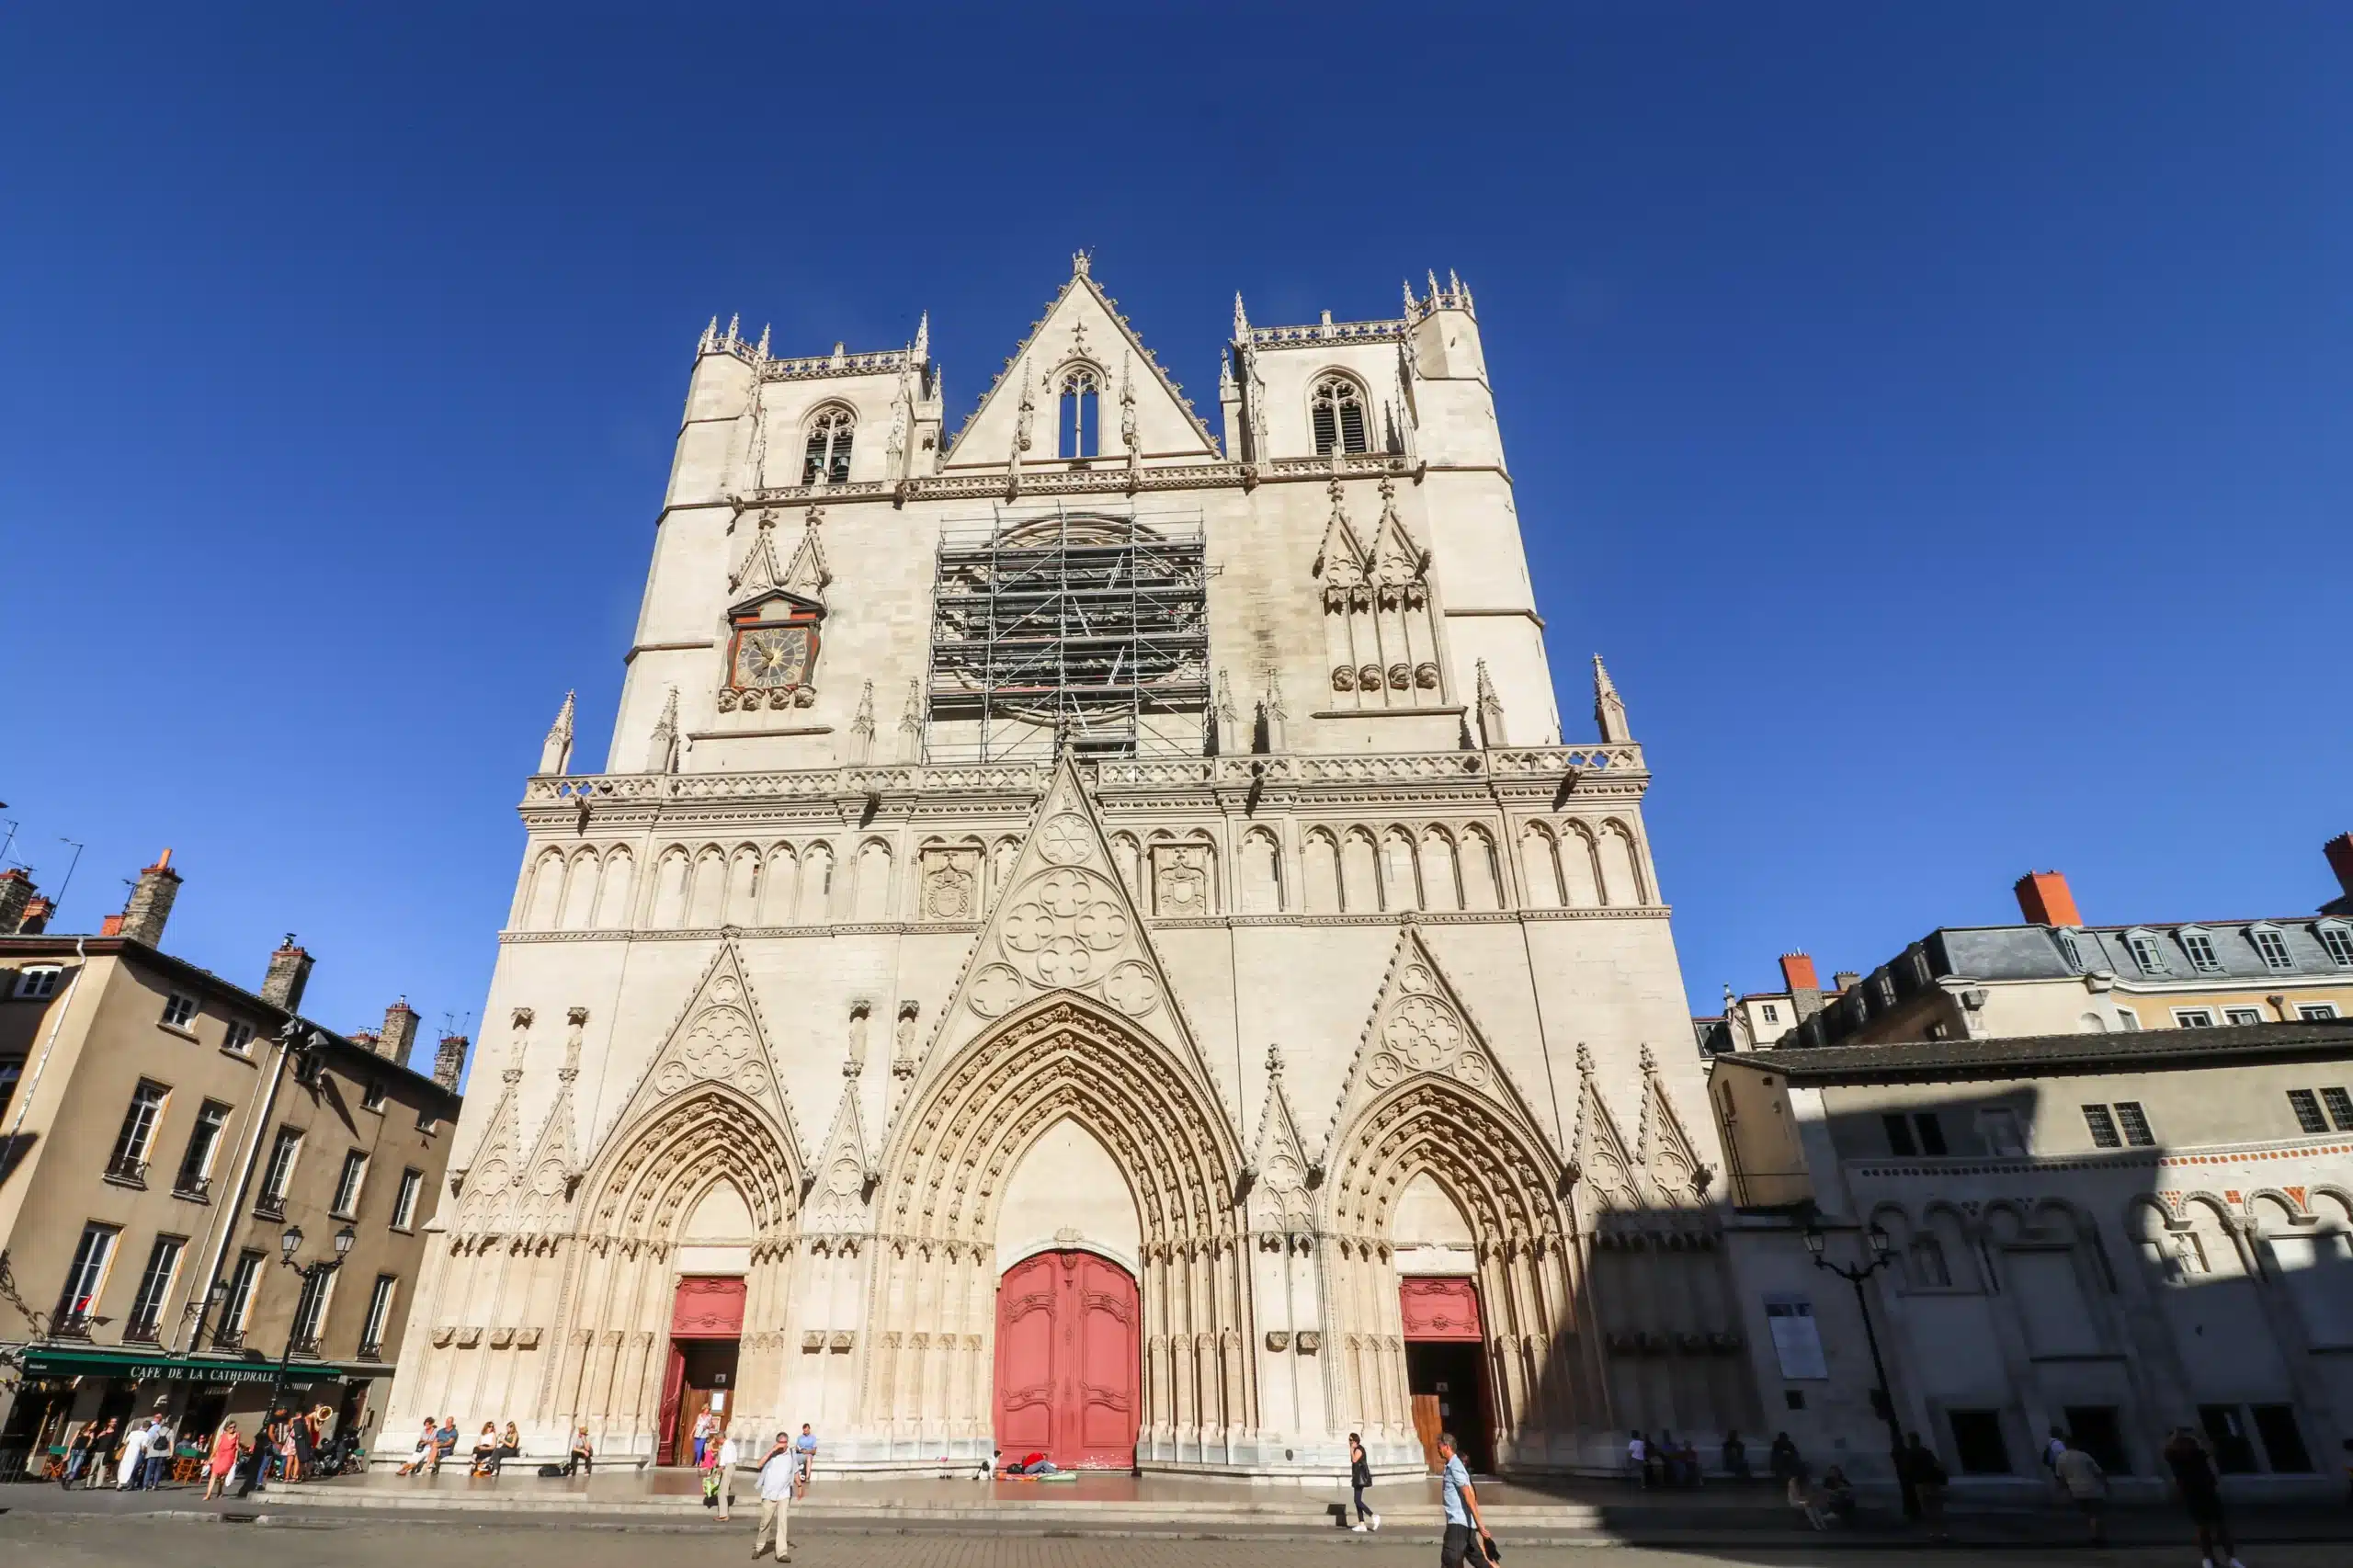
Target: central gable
point(1082, 326)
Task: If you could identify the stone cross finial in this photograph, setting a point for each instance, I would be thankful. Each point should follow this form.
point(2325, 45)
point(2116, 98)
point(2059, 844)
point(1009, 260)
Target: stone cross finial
point(1079, 263)
point(1274, 1061)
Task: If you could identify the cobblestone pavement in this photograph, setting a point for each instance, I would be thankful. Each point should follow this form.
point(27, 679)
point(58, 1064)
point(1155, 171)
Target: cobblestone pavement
point(131, 1542)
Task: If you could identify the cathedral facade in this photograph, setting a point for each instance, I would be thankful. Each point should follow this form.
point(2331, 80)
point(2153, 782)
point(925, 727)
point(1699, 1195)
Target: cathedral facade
point(1089, 938)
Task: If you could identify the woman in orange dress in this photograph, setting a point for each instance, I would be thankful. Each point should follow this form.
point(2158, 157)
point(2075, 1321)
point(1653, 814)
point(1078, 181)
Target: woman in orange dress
point(223, 1464)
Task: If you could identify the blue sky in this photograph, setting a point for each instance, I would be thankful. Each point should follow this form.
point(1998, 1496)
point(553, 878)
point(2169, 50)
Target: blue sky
point(1937, 414)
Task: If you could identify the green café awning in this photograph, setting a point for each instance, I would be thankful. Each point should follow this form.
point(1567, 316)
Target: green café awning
point(79, 1362)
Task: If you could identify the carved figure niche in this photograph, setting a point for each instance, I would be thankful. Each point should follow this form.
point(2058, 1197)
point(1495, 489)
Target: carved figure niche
point(1377, 626)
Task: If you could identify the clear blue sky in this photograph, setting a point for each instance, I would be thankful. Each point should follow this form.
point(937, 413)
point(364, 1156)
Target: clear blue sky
point(1938, 414)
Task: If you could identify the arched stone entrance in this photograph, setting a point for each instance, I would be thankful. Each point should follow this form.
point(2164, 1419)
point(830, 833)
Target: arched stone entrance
point(712, 1150)
point(935, 1315)
point(1517, 1267)
point(1068, 1358)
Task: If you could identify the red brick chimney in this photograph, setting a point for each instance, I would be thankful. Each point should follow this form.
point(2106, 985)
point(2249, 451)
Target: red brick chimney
point(17, 891)
point(2044, 900)
point(37, 914)
point(1805, 985)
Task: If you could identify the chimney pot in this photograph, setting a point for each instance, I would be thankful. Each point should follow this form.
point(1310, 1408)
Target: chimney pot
point(37, 914)
point(1805, 985)
point(151, 903)
point(2044, 899)
point(288, 973)
point(400, 1032)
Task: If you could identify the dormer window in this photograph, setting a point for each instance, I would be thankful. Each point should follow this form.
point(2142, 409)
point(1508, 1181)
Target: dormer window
point(1339, 416)
point(2336, 941)
point(2069, 950)
point(829, 441)
point(1079, 421)
point(2200, 948)
point(2272, 947)
point(2148, 954)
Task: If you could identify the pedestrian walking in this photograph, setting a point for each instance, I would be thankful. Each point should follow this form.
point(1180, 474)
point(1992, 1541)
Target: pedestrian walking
point(2201, 1496)
point(1927, 1474)
point(100, 1447)
point(2085, 1485)
point(727, 1454)
point(705, 1424)
point(778, 1473)
point(1360, 1477)
point(1638, 1458)
point(222, 1462)
point(159, 1454)
point(1466, 1542)
point(134, 1456)
point(77, 1453)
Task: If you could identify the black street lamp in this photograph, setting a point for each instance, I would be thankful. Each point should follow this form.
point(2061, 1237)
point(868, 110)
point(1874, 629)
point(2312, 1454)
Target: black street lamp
point(1882, 1254)
point(287, 1245)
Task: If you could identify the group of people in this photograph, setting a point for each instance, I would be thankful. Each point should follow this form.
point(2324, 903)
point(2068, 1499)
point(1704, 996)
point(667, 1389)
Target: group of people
point(1664, 1461)
point(290, 1446)
point(436, 1443)
point(782, 1476)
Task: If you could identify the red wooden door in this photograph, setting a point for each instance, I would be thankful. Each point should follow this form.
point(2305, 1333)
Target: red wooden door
point(1068, 1362)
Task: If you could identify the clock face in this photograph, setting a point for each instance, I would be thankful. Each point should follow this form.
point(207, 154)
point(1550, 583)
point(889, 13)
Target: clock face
point(772, 657)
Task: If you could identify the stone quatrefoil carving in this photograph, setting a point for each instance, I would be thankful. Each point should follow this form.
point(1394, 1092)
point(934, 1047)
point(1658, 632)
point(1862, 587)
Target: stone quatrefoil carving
point(1060, 931)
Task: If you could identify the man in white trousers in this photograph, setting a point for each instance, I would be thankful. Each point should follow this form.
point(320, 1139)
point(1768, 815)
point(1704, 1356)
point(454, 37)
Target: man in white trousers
point(775, 1498)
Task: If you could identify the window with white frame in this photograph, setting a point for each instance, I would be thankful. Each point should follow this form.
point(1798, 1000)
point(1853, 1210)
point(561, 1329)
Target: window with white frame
point(279, 1173)
point(129, 1161)
point(2069, 950)
point(1772, 1014)
point(86, 1277)
point(154, 1285)
point(1338, 414)
point(2128, 1018)
point(404, 1205)
point(2272, 947)
point(2193, 1017)
point(2148, 953)
point(2315, 1012)
point(203, 1147)
point(2336, 941)
point(380, 1313)
point(239, 1037)
point(242, 1281)
point(2243, 1015)
point(2200, 948)
point(372, 1099)
point(310, 1308)
point(37, 983)
point(179, 1010)
point(346, 1185)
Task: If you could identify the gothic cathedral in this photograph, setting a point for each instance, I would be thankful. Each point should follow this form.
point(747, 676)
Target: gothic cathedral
point(1090, 939)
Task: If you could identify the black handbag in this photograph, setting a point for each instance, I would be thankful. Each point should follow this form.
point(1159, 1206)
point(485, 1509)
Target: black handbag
point(1487, 1544)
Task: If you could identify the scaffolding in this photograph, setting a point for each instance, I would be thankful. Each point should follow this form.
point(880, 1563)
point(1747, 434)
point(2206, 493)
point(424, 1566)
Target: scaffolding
point(1085, 630)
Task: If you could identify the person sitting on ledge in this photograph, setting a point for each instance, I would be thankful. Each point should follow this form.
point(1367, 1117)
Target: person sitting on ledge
point(486, 1450)
point(583, 1454)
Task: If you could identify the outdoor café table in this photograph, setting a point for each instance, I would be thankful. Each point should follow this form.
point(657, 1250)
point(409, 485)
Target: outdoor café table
point(187, 1462)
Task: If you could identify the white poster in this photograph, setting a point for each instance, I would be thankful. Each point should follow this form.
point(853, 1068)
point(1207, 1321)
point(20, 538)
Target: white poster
point(1796, 1340)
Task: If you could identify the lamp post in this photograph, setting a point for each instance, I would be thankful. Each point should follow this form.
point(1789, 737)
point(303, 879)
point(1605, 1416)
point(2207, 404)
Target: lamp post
point(287, 1245)
point(1882, 1254)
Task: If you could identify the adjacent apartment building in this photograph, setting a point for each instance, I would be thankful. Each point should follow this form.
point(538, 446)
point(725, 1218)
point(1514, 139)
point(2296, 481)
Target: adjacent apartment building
point(161, 1132)
point(2110, 1232)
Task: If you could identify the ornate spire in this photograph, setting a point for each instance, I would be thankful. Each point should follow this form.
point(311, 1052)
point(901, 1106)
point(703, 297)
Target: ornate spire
point(555, 751)
point(1229, 718)
point(1490, 710)
point(709, 339)
point(734, 329)
point(1433, 287)
point(911, 725)
point(1408, 285)
point(1277, 714)
point(662, 756)
point(861, 728)
point(1608, 708)
point(1241, 320)
point(1079, 262)
point(923, 337)
point(762, 352)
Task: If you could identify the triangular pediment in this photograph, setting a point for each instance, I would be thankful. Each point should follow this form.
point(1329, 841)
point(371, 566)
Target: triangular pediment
point(482, 1184)
point(844, 1174)
point(1082, 325)
point(758, 577)
point(1422, 1027)
point(1599, 1155)
point(1664, 1146)
point(1341, 561)
point(1396, 558)
point(1279, 1163)
point(719, 1039)
point(1065, 923)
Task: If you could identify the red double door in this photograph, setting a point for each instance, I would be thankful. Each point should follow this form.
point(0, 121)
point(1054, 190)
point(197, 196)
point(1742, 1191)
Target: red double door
point(1068, 1362)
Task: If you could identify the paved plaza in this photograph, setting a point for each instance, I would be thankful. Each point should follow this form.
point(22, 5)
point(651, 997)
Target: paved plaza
point(55, 1540)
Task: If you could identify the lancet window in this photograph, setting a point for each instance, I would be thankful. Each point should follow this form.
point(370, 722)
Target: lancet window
point(1339, 415)
point(1079, 422)
point(829, 441)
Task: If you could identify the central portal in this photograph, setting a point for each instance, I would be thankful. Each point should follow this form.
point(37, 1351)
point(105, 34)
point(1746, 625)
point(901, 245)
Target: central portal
point(1068, 1358)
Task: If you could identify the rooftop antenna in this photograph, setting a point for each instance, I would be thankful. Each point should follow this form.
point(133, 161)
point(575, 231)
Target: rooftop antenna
point(11, 839)
point(58, 902)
